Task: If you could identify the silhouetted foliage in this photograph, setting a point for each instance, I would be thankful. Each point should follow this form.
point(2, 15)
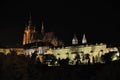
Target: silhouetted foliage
point(107, 57)
point(14, 67)
point(22, 67)
point(34, 55)
point(2, 58)
point(64, 62)
point(87, 56)
point(93, 59)
point(49, 59)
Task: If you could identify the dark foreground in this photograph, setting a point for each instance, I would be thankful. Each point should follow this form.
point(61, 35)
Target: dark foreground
point(14, 67)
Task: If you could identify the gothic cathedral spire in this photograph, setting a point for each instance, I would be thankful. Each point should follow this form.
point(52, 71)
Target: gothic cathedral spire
point(29, 22)
point(42, 29)
point(27, 32)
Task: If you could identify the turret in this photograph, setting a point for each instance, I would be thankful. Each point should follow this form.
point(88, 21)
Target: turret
point(84, 41)
point(74, 40)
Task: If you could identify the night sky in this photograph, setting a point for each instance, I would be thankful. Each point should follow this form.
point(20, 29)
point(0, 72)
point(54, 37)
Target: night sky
point(99, 20)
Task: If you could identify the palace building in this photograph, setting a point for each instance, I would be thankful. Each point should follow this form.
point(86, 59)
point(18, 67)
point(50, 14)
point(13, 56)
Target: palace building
point(46, 43)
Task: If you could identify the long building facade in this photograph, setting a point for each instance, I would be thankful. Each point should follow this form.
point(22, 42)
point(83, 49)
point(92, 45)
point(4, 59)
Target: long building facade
point(46, 43)
point(83, 52)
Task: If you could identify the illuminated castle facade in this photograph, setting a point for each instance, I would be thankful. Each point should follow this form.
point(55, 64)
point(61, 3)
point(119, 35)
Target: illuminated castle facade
point(83, 52)
point(45, 43)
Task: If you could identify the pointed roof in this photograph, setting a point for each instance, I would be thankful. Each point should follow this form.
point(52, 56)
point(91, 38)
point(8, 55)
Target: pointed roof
point(42, 28)
point(74, 40)
point(84, 41)
point(29, 22)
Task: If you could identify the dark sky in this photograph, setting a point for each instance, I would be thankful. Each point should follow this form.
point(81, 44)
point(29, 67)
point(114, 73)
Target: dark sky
point(99, 20)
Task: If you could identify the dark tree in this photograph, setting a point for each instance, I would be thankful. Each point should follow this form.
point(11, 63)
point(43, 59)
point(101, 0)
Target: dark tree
point(107, 57)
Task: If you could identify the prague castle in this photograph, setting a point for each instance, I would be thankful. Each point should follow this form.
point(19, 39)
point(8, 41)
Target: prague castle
point(76, 49)
point(46, 43)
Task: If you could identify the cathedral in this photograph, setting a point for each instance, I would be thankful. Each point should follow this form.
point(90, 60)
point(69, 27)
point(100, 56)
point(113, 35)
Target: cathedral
point(31, 35)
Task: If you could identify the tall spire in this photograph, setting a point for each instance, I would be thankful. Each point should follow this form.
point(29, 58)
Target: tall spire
point(29, 22)
point(84, 41)
point(42, 29)
point(27, 32)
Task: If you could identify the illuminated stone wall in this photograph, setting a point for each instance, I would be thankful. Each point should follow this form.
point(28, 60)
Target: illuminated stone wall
point(7, 50)
point(70, 51)
point(67, 52)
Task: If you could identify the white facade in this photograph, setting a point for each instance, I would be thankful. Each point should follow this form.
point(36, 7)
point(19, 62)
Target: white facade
point(93, 50)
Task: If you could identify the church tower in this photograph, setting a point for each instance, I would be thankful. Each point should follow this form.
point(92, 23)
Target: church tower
point(74, 40)
point(42, 29)
point(84, 41)
point(27, 32)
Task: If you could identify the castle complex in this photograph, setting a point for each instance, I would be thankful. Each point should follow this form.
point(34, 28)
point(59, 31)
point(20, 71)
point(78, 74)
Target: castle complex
point(74, 52)
point(43, 43)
